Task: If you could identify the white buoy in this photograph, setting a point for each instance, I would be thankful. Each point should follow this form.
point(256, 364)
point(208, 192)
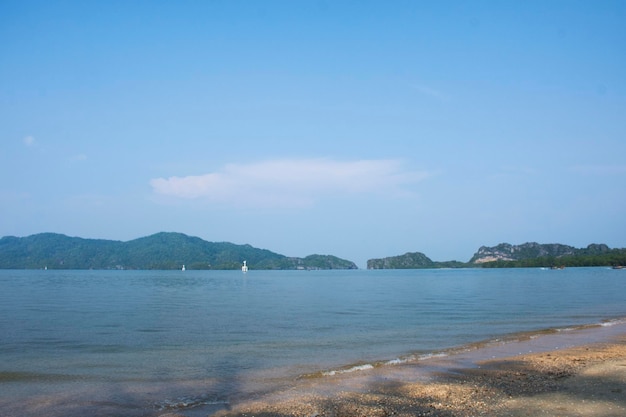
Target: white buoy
point(244, 268)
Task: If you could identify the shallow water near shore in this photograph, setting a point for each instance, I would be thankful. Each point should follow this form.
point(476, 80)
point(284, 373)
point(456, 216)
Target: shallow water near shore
point(141, 343)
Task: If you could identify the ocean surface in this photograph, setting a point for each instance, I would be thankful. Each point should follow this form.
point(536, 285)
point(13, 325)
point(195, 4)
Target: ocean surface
point(142, 343)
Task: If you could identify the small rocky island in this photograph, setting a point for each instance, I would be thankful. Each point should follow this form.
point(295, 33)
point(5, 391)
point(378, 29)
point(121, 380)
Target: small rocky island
point(411, 260)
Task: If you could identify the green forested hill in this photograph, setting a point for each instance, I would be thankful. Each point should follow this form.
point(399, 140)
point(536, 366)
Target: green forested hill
point(534, 254)
point(158, 251)
point(505, 255)
point(410, 260)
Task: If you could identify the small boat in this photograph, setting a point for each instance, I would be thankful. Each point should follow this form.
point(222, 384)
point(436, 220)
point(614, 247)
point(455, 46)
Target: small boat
point(183, 268)
point(244, 268)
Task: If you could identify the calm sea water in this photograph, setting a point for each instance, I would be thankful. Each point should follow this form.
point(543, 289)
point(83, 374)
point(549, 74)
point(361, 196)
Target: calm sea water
point(134, 343)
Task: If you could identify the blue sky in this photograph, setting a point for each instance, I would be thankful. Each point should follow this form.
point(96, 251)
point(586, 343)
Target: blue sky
point(360, 129)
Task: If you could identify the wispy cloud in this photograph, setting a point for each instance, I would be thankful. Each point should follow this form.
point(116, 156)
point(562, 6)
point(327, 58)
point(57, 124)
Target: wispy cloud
point(430, 92)
point(291, 182)
point(600, 169)
point(79, 157)
point(519, 170)
point(29, 141)
point(13, 198)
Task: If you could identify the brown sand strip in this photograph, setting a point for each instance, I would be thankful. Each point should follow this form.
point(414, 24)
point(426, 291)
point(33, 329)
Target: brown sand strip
point(581, 381)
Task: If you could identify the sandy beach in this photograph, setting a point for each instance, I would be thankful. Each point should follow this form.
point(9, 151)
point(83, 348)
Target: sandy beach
point(588, 380)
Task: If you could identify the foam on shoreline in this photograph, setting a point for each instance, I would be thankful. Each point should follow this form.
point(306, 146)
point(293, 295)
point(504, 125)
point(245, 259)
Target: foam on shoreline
point(504, 346)
point(190, 399)
point(346, 388)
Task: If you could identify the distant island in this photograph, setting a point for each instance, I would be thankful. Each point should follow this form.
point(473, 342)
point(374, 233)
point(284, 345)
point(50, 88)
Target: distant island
point(411, 260)
point(505, 255)
point(159, 251)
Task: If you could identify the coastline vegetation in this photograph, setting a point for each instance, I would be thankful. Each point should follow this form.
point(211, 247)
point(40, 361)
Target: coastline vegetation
point(161, 251)
point(170, 251)
point(614, 258)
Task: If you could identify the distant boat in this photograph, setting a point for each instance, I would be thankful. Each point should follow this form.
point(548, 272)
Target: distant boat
point(183, 268)
point(244, 268)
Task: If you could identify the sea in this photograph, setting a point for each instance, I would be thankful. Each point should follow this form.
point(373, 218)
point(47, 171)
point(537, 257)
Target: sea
point(145, 343)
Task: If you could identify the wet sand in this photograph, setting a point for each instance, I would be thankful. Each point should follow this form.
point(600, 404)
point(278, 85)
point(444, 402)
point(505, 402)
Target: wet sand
point(566, 380)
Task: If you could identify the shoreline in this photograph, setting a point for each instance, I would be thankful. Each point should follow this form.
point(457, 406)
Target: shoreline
point(578, 372)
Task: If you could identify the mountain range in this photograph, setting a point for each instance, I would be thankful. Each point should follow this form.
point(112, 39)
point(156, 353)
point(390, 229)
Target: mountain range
point(173, 250)
point(159, 251)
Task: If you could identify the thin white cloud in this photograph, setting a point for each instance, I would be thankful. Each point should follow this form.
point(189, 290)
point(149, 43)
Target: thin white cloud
point(8, 198)
point(291, 182)
point(600, 169)
point(79, 157)
point(29, 141)
point(519, 170)
point(430, 92)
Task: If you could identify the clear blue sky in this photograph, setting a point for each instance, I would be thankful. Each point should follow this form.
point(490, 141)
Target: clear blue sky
point(360, 129)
